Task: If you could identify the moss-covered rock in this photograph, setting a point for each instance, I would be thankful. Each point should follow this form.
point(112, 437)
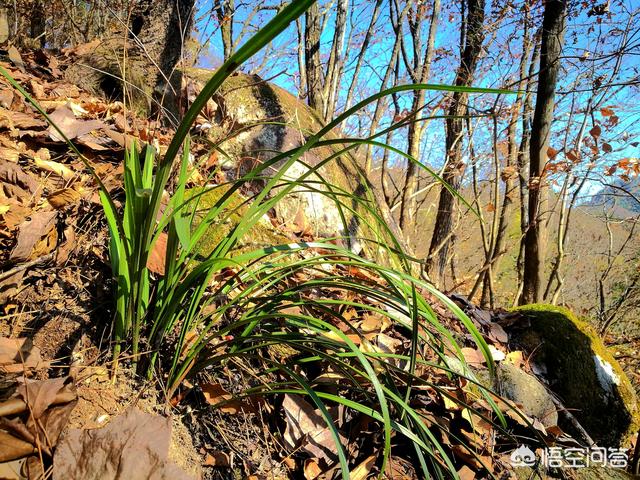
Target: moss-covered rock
point(580, 370)
point(261, 234)
point(255, 120)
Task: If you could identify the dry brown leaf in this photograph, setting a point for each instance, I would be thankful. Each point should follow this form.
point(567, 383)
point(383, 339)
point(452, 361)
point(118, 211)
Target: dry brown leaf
point(157, 255)
point(31, 234)
point(217, 459)
point(465, 473)
point(552, 153)
point(64, 197)
point(16, 58)
point(596, 131)
point(515, 358)
point(18, 355)
point(133, 446)
point(497, 333)
point(400, 469)
point(606, 111)
point(55, 167)
point(37, 89)
point(72, 127)
point(9, 154)
point(11, 119)
point(12, 173)
point(6, 97)
point(361, 472)
point(312, 469)
point(307, 429)
point(218, 397)
point(473, 356)
point(13, 448)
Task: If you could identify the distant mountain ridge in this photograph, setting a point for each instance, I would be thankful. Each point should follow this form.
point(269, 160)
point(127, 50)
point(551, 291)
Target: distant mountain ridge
point(615, 194)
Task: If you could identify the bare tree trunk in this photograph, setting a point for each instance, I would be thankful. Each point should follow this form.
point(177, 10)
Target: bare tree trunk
point(335, 65)
point(471, 45)
point(301, 65)
point(313, 63)
point(225, 11)
point(507, 176)
point(137, 62)
point(414, 135)
point(38, 23)
point(4, 23)
point(523, 162)
point(553, 29)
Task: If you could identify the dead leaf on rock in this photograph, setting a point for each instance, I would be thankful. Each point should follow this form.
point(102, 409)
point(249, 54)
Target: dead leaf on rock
point(497, 333)
point(473, 356)
point(133, 446)
point(30, 233)
point(307, 429)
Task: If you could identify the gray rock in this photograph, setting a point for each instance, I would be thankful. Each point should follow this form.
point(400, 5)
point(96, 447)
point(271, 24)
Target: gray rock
point(525, 389)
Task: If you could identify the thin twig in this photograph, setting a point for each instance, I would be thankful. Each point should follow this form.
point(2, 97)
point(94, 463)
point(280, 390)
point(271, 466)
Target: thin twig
point(24, 266)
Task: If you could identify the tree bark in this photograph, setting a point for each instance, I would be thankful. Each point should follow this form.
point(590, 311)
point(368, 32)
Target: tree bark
point(137, 62)
point(313, 64)
point(471, 45)
point(498, 243)
point(553, 28)
point(224, 12)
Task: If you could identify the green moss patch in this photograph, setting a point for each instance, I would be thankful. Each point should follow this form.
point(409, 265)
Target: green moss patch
point(581, 371)
point(261, 234)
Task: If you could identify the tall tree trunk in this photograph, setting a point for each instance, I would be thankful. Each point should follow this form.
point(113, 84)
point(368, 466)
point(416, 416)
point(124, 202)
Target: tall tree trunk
point(553, 28)
point(471, 45)
point(4, 23)
point(335, 65)
point(224, 12)
point(508, 176)
point(414, 135)
point(139, 63)
point(523, 162)
point(313, 63)
point(395, 53)
point(38, 23)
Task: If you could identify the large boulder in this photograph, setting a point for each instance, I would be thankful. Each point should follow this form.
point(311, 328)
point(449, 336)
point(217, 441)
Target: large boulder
point(580, 370)
point(253, 120)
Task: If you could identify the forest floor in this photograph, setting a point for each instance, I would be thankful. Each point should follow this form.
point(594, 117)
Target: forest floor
point(55, 329)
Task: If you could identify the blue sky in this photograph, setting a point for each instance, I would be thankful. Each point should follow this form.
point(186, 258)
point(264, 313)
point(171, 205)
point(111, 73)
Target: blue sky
point(586, 42)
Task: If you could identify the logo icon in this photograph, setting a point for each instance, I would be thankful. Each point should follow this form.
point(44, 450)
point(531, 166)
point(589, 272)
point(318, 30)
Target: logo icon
point(523, 457)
